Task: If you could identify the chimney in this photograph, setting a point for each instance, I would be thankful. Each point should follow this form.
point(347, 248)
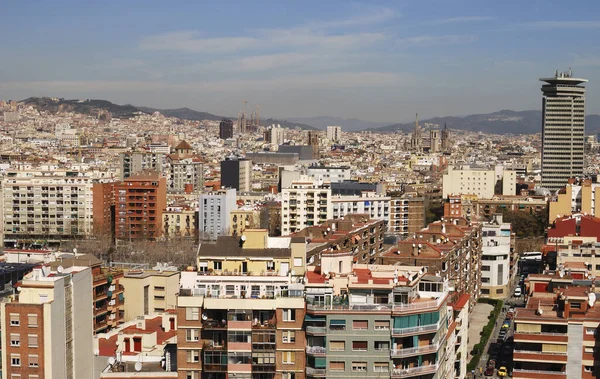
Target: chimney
point(415, 250)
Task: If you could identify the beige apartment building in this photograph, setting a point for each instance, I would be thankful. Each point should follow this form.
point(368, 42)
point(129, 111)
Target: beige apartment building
point(577, 196)
point(149, 291)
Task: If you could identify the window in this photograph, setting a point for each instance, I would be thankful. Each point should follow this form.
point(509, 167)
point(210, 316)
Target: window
point(203, 266)
point(337, 366)
point(337, 346)
point(485, 291)
point(359, 366)
point(337, 324)
point(193, 356)
point(32, 340)
point(360, 324)
point(288, 375)
point(575, 305)
point(288, 336)
point(156, 288)
point(263, 358)
point(485, 280)
point(382, 324)
point(297, 262)
point(33, 361)
point(229, 290)
point(590, 331)
point(32, 321)
point(192, 375)
point(192, 313)
point(485, 268)
point(218, 265)
point(15, 340)
point(359, 345)
point(14, 319)
point(499, 291)
point(588, 368)
point(382, 345)
point(192, 335)
point(289, 315)
point(381, 367)
point(270, 266)
point(15, 360)
point(288, 357)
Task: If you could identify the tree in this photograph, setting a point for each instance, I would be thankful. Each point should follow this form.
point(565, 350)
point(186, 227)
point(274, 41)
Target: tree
point(526, 225)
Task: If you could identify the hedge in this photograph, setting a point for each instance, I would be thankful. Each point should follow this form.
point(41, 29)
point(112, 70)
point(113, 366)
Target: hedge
point(486, 332)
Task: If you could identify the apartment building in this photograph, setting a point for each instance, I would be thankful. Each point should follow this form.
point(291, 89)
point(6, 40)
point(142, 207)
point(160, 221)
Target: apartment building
point(242, 313)
point(149, 292)
point(451, 249)
point(576, 196)
point(47, 328)
point(556, 333)
point(304, 204)
point(242, 219)
point(179, 221)
point(236, 173)
point(354, 235)
point(407, 214)
point(213, 215)
point(185, 173)
point(377, 206)
point(374, 321)
point(497, 267)
point(103, 209)
point(47, 205)
point(328, 173)
point(481, 181)
point(139, 203)
point(107, 292)
point(473, 208)
point(274, 135)
point(134, 162)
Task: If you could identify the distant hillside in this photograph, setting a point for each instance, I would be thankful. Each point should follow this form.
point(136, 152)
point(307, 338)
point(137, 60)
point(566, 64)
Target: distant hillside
point(183, 113)
point(348, 125)
point(287, 124)
point(502, 122)
point(88, 106)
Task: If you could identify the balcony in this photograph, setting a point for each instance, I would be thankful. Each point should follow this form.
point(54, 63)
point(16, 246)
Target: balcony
point(213, 367)
point(316, 329)
point(316, 350)
point(541, 337)
point(538, 374)
point(239, 346)
point(351, 307)
point(417, 329)
point(538, 356)
point(400, 353)
point(244, 325)
point(414, 371)
point(420, 305)
point(315, 372)
point(239, 367)
point(214, 324)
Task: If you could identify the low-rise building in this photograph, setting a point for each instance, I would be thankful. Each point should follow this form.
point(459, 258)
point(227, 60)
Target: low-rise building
point(149, 291)
point(497, 267)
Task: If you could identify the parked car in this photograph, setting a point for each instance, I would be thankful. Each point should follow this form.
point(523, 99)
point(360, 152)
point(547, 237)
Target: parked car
point(518, 292)
point(502, 371)
point(489, 371)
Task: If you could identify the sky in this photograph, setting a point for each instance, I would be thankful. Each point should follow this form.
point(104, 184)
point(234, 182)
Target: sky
point(378, 60)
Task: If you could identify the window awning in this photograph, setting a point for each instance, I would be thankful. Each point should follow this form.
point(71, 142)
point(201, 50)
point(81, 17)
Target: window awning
point(337, 322)
point(314, 318)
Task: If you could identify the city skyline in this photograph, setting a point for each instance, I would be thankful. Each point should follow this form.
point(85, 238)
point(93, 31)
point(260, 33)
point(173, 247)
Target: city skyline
point(376, 61)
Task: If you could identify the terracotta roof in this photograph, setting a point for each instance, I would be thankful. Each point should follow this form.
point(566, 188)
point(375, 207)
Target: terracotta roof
point(183, 145)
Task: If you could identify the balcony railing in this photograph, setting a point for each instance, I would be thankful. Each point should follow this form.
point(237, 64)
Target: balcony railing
point(419, 305)
point(539, 372)
point(539, 352)
point(315, 371)
point(316, 350)
point(413, 371)
point(396, 353)
point(355, 307)
point(316, 329)
point(415, 329)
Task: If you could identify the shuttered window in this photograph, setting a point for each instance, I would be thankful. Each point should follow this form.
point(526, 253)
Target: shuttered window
point(360, 324)
point(337, 345)
point(359, 345)
point(382, 324)
point(337, 366)
point(32, 340)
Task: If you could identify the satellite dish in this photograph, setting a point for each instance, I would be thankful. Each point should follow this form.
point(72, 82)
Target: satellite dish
point(243, 238)
point(96, 352)
point(111, 360)
point(293, 272)
point(74, 250)
point(204, 317)
point(60, 269)
point(138, 366)
point(19, 289)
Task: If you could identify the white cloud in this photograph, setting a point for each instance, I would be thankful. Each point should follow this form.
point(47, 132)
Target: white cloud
point(190, 42)
point(290, 82)
point(373, 16)
point(463, 19)
point(563, 24)
point(449, 39)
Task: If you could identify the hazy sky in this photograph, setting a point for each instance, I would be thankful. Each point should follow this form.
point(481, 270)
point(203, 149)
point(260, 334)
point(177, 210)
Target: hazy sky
point(375, 60)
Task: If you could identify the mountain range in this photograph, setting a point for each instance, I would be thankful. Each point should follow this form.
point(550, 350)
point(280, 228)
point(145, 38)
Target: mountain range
point(502, 122)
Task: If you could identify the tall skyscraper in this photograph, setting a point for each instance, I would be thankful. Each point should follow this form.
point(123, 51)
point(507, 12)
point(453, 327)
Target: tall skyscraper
point(334, 132)
point(226, 129)
point(563, 125)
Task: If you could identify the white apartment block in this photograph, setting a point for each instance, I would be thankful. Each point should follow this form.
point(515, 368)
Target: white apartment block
point(334, 132)
point(495, 258)
point(328, 174)
point(48, 330)
point(182, 172)
point(304, 204)
point(478, 181)
point(214, 213)
point(134, 162)
point(47, 204)
point(369, 202)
